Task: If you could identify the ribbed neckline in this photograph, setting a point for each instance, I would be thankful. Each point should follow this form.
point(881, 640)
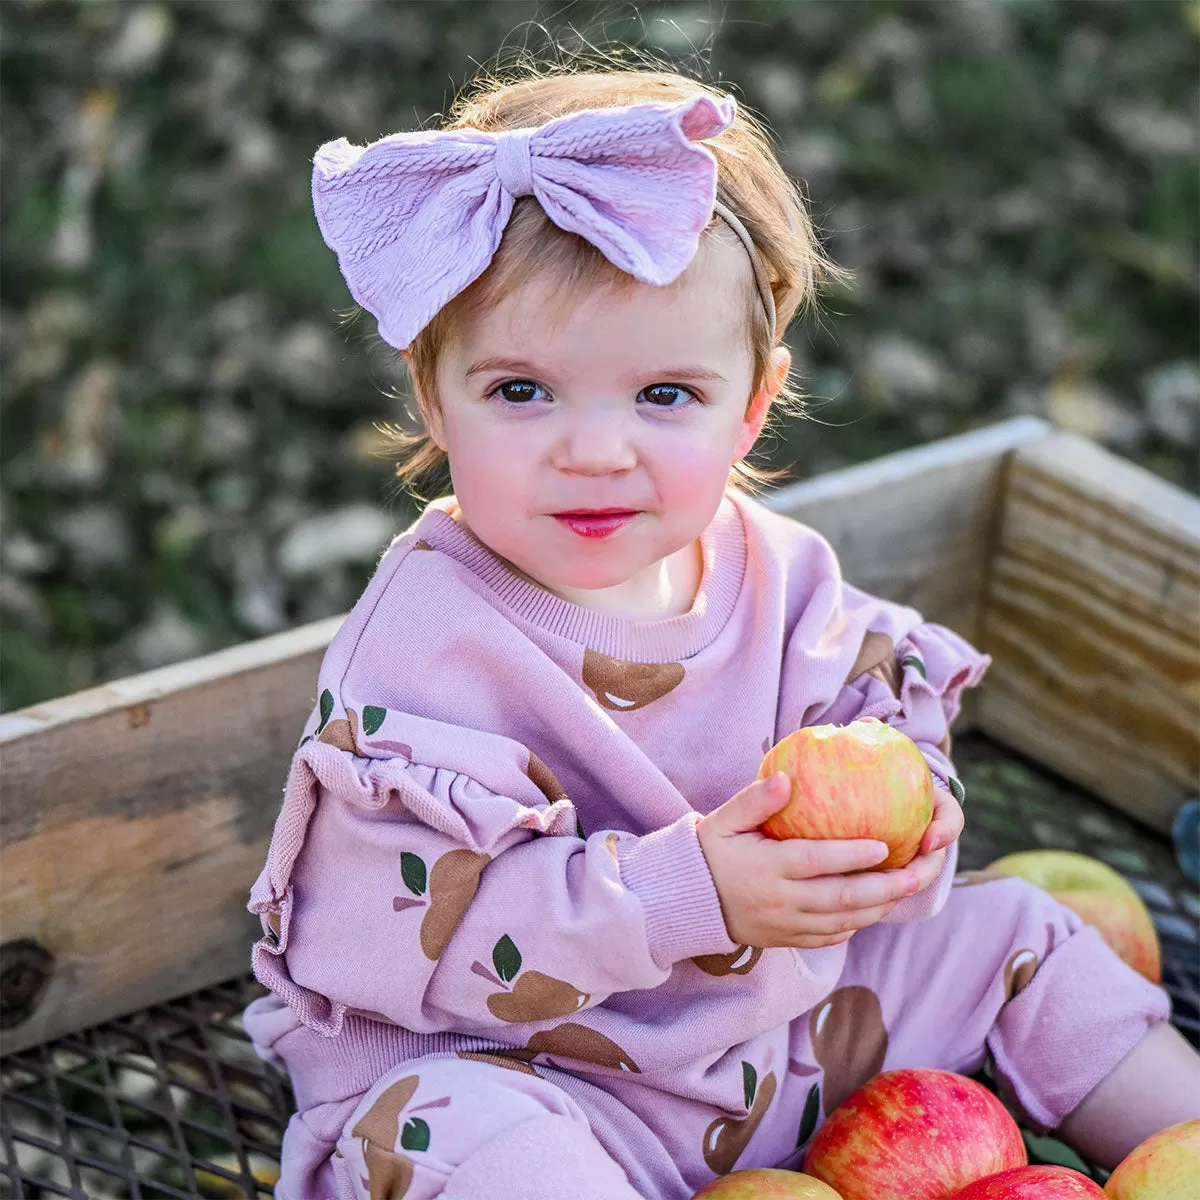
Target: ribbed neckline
point(723, 548)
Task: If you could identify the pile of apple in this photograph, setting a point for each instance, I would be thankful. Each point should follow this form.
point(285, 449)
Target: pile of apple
point(933, 1135)
point(925, 1134)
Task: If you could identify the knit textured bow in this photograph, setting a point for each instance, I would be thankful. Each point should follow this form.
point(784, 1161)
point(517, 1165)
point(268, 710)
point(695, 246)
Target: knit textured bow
point(416, 217)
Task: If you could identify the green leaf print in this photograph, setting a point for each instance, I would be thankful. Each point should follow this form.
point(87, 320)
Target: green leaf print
point(372, 718)
point(415, 1134)
point(326, 708)
point(808, 1122)
point(412, 871)
point(749, 1082)
point(506, 958)
point(917, 664)
point(957, 790)
point(579, 828)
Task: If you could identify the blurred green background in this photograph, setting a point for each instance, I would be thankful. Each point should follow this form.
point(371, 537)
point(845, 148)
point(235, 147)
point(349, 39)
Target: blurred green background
point(189, 452)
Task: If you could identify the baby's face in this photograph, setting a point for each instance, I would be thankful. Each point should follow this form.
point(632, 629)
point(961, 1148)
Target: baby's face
point(638, 401)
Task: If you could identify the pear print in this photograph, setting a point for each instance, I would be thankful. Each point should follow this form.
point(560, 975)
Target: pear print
point(388, 1174)
point(534, 996)
point(877, 657)
point(545, 779)
point(724, 1140)
point(342, 733)
point(421, 544)
point(610, 844)
point(623, 686)
point(849, 1041)
point(452, 885)
point(498, 1060)
point(739, 962)
point(570, 1040)
point(1018, 971)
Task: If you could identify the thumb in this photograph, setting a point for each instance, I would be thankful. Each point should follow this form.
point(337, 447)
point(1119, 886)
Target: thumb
point(754, 804)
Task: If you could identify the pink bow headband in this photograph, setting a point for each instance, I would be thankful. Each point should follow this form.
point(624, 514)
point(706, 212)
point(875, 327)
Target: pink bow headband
point(415, 218)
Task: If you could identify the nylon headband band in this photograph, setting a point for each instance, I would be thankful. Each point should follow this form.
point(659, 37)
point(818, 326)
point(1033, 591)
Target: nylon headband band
point(760, 274)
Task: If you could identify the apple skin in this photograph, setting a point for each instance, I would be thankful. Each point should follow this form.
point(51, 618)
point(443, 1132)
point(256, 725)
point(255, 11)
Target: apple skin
point(766, 1183)
point(1033, 1183)
point(1098, 895)
point(914, 1134)
point(1166, 1166)
point(862, 780)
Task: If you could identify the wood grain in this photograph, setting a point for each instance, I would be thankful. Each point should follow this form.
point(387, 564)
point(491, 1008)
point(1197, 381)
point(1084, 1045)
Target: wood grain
point(1092, 618)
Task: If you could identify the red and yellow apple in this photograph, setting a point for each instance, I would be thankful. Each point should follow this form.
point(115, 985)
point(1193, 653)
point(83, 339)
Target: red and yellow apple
point(862, 780)
point(766, 1183)
point(1099, 896)
point(1033, 1183)
point(1166, 1166)
point(914, 1134)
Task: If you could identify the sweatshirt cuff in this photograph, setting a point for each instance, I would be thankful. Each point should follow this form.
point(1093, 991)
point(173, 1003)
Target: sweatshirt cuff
point(932, 900)
point(669, 874)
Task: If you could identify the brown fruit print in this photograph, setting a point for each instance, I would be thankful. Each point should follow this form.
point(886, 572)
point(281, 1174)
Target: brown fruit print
point(1018, 971)
point(739, 962)
point(623, 686)
point(570, 1040)
point(453, 883)
point(534, 996)
point(388, 1174)
point(545, 779)
point(421, 544)
point(724, 1140)
point(342, 733)
point(849, 1041)
point(498, 1060)
point(610, 844)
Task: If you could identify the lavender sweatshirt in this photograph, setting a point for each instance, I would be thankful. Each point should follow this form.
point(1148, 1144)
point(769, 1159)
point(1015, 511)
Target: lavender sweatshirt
point(488, 833)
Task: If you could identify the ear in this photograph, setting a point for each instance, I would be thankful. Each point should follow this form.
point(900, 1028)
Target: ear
point(761, 401)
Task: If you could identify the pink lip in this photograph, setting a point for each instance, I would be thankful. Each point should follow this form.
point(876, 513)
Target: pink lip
point(595, 525)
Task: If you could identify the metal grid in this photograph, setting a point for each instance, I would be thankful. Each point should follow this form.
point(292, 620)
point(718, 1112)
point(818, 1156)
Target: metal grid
point(172, 1101)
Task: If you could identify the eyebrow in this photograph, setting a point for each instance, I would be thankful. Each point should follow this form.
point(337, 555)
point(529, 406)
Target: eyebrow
point(520, 366)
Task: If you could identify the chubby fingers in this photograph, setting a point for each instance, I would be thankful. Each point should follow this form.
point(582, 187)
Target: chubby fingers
point(946, 825)
point(927, 867)
point(854, 895)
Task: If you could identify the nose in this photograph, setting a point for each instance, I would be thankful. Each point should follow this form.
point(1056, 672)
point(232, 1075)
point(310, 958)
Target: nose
point(595, 443)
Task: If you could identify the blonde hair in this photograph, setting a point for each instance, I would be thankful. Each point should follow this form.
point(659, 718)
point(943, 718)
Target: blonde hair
point(750, 181)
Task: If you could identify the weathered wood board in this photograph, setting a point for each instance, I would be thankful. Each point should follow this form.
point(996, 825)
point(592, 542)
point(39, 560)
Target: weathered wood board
point(134, 818)
point(1092, 617)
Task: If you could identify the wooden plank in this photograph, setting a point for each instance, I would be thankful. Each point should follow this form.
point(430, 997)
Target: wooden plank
point(917, 526)
point(1092, 617)
point(136, 816)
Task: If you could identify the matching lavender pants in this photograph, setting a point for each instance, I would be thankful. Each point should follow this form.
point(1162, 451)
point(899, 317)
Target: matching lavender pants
point(1003, 968)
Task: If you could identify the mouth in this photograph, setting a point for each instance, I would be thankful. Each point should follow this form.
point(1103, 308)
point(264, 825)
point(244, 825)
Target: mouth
point(595, 523)
point(597, 512)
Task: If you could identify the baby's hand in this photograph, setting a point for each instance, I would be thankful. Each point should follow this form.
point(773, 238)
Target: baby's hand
point(795, 892)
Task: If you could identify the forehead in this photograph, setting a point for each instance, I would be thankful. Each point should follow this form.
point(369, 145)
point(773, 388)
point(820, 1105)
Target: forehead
point(702, 316)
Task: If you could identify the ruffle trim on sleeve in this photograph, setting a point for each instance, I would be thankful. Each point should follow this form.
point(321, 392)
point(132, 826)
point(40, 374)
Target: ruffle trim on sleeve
point(372, 784)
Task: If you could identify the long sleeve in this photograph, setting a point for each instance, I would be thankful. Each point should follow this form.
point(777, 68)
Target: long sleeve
point(915, 685)
point(443, 902)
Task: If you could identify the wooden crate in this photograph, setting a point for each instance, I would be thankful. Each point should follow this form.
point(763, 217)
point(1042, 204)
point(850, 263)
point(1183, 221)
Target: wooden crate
point(135, 815)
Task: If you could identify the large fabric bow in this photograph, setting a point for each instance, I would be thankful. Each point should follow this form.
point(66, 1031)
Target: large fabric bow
point(416, 217)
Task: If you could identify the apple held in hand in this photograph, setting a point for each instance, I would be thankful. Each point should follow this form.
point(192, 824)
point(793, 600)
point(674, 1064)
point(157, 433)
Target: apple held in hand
point(766, 1183)
point(1033, 1183)
point(862, 780)
point(1166, 1166)
point(1098, 895)
point(914, 1134)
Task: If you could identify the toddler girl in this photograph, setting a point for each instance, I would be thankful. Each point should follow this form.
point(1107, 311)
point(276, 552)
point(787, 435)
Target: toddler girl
point(521, 935)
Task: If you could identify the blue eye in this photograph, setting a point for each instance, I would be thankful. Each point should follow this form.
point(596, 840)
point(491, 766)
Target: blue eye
point(661, 395)
point(518, 391)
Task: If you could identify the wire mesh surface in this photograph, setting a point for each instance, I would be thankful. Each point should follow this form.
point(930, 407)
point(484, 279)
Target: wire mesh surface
point(173, 1102)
